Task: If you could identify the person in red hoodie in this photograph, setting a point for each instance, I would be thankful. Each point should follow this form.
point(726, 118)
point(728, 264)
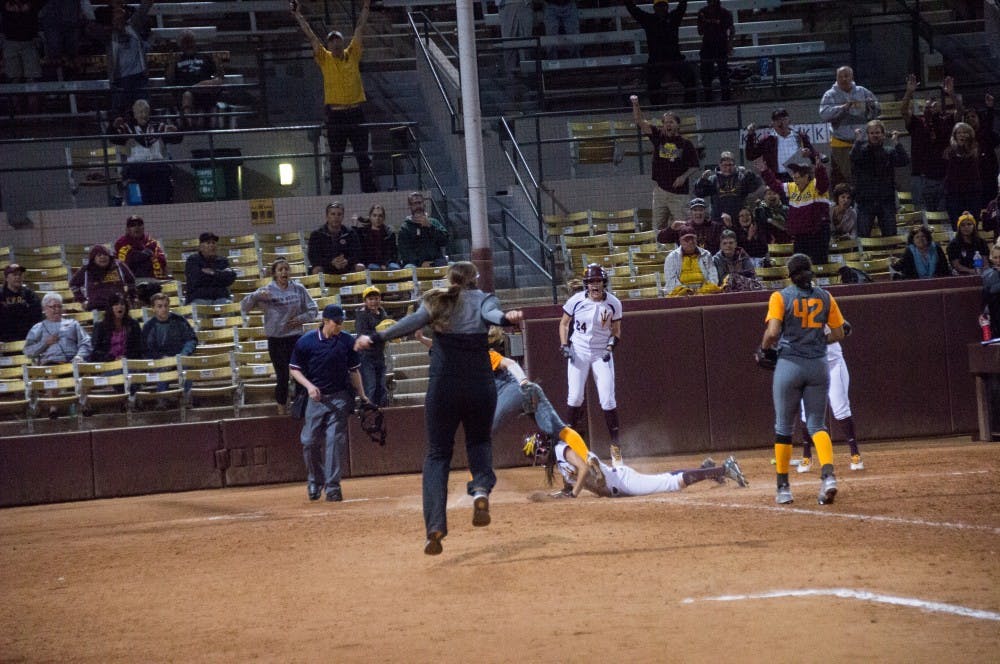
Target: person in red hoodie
point(103, 275)
point(808, 199)
point(140, 252)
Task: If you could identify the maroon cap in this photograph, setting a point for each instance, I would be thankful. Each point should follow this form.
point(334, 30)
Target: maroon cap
point(12, 268)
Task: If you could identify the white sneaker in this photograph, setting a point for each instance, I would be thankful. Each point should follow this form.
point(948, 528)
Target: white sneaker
point(616, 457)
point(805, 465)
point(856, 462)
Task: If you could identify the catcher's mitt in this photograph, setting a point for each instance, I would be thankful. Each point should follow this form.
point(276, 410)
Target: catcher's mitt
point(766, 358)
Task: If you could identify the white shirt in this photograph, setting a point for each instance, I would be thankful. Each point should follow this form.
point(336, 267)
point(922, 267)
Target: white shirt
point(788, 147)
point(591, 325)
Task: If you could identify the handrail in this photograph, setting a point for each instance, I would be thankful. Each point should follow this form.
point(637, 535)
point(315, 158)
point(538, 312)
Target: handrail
point(546, 251)
point(430, 62)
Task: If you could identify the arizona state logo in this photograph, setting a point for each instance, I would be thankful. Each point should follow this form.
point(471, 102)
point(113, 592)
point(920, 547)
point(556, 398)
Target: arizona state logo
point(605, 317)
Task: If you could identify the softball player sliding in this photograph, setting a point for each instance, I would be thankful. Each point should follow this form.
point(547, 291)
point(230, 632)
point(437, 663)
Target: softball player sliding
point(579, 473)
point(840, 404)
point(796, 318)
point(590, 329)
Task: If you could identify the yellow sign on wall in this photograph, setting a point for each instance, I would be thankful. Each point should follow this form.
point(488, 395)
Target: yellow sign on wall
point(261, 211)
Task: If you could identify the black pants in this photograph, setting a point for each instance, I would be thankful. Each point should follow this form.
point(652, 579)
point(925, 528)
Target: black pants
point(815, 245)
point(280, 350)
point(680, 70)
point(154, 179)
point(343, 126)
point(709, 69)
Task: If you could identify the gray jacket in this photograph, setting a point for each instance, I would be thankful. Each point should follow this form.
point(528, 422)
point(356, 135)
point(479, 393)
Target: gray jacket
point(286, 311)
point(73, 342)
point(843, 123)
point(473, 314)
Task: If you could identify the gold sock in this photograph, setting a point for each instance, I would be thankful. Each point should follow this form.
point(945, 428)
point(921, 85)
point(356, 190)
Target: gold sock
point(782, 457)
point(575, 442)
point(824, 447)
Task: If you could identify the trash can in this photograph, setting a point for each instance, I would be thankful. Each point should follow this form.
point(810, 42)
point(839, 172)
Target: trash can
point(225, 181)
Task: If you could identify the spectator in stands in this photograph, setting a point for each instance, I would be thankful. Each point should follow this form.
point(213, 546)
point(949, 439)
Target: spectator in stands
point(126, 54)
point(517, 19)
point(167, 334)
point(751, 235)
point(777, 146)
point(662, 28)
point(689, 268)
point(422, 239)
point(808, 198)
point(202, 74)
point(962, 181)
point(988, 140)
point(61, 22)
point(19, 27)
point(145, 163)
point(19, 306)
point(344, 98)
point(873, 169)
point(929, 136)
point(771, 215)
point(846, 106)
point(117, 335)
point(843, 215)
point(729, 186)
point(208, 275)
point(923, 257)
point(962, 248)
point(55, 340)
point(287, 306)
point(561, 17)
point(991, 290)
point(732, 261)
point(333, 247)
point(707, 231)
point(991, 215)
point(715, 25)
point(140, 252)
point(101, 277)
point(367, 322)
point(675, 160)
point(378, 241)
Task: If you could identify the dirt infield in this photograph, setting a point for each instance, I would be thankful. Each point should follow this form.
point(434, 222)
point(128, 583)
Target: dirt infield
point(904, 567)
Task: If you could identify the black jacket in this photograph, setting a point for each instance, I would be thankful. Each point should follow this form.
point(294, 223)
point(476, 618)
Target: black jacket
point(324, 247)
point(202, 286)
point(101, 340)
point(18, 312)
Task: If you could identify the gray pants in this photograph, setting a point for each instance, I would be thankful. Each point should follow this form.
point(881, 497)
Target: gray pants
point(510, 402)
point(517, 19)
point(324, 436)
point(798, 379)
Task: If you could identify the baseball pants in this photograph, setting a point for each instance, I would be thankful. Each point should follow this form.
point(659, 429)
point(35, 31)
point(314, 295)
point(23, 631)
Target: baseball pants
point(577, 370)
point(797, 380)
point(840, 382)
point(625, 481)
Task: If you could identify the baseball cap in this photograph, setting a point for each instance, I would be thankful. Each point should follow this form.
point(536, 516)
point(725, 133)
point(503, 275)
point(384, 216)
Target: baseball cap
point(12, 268)
point(333, 312)
point(335, 204)
point(696, 202)
point(778, 113)
point(339, 35)
point(208, 237)
point(685, 230)
point(371, 290)
point(134, 220)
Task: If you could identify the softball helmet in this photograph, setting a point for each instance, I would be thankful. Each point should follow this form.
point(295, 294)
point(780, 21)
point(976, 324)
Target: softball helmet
point(593, 272)
point(536, 447)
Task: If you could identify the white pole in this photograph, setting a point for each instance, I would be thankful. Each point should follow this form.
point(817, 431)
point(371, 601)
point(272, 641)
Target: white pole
point(472, 121)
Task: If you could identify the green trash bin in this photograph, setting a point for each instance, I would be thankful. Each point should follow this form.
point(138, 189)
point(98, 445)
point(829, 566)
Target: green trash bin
point(225, 181)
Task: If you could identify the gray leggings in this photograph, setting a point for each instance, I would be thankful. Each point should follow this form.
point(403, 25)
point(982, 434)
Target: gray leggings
point(509, 403)
point(798, 379)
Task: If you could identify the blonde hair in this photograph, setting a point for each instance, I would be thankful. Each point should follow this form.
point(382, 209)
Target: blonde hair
point(441, 302)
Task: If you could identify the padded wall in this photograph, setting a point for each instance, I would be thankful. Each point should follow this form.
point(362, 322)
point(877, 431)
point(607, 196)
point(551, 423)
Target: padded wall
point(264, 450)
point(139, 460)
point(47, 468)
point(403, 451)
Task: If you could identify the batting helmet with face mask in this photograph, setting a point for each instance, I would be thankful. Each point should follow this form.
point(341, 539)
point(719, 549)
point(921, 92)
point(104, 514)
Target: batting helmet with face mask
point(536, 447)
point(593, 272)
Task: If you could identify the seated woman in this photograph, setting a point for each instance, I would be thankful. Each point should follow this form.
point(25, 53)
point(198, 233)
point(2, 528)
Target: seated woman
point(118, 335)
point(923, 258)
point(752, 236)
point(145, 163)
point(102, 276)
point(965, 245)
point(843, 214)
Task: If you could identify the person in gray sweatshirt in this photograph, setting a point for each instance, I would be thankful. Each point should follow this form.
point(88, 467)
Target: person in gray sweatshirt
point(286, 305)
point(846, 106)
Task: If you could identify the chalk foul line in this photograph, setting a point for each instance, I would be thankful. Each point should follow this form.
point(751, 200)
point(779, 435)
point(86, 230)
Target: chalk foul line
point(862, 595)
point(838, 515)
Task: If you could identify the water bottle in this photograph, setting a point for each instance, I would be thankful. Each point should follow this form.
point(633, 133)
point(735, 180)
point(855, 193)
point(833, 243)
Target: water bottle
point(764, 64)
point(977, 262)
point(984, 325)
